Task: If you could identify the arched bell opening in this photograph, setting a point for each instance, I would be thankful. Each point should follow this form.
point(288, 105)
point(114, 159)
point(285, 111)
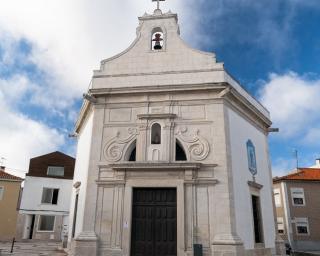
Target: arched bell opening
point(131, 152)
point(180, 153)
point(156, 133)
point(157, 39)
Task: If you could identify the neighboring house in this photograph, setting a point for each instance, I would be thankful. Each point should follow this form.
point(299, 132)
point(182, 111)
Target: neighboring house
point(9, 196)
point(297, 201)
point(45, 202)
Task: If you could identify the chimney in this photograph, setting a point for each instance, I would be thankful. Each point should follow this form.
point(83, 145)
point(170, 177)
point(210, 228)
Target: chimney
point(318, 162)
point(2, 168)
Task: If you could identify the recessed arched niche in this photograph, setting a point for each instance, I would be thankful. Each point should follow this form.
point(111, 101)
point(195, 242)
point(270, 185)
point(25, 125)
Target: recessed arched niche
point(156, 133)
point(180, 153)
point(157, 39)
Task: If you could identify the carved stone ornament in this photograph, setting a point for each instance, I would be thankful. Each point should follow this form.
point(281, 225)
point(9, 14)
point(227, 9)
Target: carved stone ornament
point(115, 148)
point(198, 147)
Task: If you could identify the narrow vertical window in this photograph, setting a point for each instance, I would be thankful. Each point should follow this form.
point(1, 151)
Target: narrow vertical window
point(277, 198)
point(1, 192)
point(156, 134)
point(257, 222)
point(280, 225)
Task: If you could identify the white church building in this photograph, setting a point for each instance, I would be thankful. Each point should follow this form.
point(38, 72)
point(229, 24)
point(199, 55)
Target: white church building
point(172, 155)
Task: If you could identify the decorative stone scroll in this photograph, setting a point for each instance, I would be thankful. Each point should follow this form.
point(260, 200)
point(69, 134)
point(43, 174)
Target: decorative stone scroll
point(198, 147)
point(115, 148)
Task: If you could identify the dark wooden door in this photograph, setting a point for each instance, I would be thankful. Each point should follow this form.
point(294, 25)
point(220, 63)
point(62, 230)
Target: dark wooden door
point(154, 222)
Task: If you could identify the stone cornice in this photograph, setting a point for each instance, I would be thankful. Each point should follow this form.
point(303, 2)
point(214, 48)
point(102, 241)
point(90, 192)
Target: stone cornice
point(255, 185)
point(155, 89)
point(157, 116)
point(82, 115)
point(167, 15)
point(162, 73)
point(159, 166)
point(231, 95)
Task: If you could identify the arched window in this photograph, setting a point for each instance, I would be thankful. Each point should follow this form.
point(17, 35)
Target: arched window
point(156, 134)
point(180, 154)
point(157, 40)
point(131, 152)
point(132, 157)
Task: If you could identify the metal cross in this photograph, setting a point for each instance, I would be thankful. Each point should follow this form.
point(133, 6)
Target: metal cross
point(158, 3)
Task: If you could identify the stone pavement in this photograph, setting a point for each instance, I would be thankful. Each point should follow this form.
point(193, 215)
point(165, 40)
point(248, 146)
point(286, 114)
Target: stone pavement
point(32, 248)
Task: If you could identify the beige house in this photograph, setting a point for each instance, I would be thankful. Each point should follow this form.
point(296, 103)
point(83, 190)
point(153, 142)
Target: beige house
point(9, 197)
point(297, 204)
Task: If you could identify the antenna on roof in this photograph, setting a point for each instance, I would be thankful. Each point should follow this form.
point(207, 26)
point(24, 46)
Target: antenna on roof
point(2, 159)
point(295, 152)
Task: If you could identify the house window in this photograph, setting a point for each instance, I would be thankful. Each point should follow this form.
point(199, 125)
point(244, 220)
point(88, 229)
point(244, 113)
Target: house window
point(1, 192)
point(277, 198)
point(55, 171)
point(257, 222)
point(297, 195)
point(46, 223)
point(280, 225)
point(50, 196)
point(302, 226)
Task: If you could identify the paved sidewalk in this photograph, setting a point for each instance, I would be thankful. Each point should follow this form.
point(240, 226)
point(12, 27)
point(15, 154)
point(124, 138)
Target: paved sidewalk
point(32, 248)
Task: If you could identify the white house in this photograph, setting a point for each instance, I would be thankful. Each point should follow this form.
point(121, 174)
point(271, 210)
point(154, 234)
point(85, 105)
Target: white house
point(45, 201)
point(172, 155)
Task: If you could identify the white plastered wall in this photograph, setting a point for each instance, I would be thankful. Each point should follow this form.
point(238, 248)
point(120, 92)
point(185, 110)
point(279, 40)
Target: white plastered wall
point(81, 174)
point(32, 195)
point(241, 131)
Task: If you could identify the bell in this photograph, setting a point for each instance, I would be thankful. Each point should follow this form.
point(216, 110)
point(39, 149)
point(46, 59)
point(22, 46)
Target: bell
point(157, 46)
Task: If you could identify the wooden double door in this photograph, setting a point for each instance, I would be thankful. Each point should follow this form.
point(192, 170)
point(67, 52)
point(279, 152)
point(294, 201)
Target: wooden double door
point(154, 222)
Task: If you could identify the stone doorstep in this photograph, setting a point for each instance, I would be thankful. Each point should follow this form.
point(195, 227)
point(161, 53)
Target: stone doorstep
point(32, 249)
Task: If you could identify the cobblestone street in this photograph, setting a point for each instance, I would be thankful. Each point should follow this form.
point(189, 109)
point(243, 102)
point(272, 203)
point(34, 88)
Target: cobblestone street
point(32, 249)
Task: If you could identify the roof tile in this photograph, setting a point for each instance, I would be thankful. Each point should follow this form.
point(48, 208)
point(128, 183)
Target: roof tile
point(7, 176)
point(302, 174)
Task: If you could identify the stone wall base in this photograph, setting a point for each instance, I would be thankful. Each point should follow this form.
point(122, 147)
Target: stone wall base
point(258, 252)
point(227, 245)
point(85, 244)
point(227, 250)
point(110, 252)
point(280, 248)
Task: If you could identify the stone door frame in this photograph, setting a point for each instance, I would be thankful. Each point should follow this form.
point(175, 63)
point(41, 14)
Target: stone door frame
point(153, 183)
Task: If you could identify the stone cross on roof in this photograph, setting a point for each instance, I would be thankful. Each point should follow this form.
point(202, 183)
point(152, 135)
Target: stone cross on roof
point(158, 3)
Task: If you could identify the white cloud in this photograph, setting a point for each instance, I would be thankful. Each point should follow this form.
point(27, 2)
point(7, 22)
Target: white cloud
point(22, 138)
point(282, 166)
point(69, 38)
point(294, 104)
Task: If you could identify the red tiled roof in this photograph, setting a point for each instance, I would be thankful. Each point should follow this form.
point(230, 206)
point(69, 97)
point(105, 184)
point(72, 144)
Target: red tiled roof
point(7, 176)
point(312, 174)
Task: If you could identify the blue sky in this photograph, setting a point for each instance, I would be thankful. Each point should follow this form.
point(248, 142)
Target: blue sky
point(48, 51)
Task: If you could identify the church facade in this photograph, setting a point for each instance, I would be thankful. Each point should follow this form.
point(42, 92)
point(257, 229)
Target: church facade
point(172, 155)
